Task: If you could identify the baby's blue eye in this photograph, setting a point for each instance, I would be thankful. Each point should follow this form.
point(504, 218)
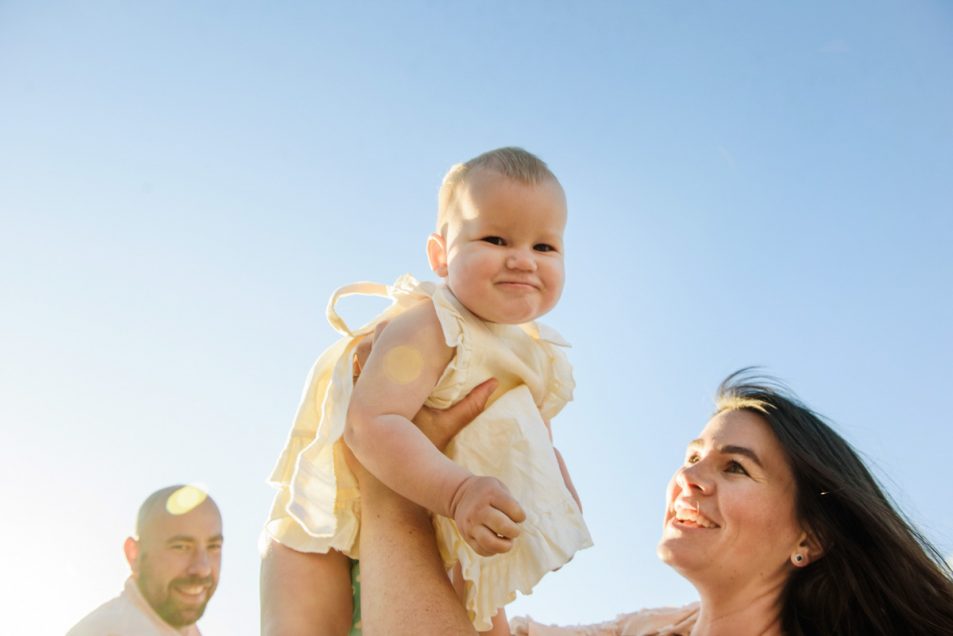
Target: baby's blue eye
point(494, 240)
point(544, 247)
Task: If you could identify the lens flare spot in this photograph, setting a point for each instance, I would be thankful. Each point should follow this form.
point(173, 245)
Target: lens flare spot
point(403, 364)
point(185, 499)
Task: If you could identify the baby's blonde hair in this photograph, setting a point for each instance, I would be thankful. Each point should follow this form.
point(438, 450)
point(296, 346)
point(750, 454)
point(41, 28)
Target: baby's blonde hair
point(511, 162)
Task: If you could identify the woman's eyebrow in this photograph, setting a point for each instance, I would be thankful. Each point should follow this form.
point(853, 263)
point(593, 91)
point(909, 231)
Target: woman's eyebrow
point(741, 450)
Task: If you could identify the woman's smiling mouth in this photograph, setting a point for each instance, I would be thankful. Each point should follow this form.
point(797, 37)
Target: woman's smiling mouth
point(688, 515)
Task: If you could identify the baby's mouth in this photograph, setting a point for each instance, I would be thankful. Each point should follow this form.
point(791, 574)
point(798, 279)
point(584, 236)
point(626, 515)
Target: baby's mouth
point(518, 283)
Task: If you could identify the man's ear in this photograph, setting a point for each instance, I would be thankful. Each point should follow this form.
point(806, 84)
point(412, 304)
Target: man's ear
point(131, 548)
point(437, 254)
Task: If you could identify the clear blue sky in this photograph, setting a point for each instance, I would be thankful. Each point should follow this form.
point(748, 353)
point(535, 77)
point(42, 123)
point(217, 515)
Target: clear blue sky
point(182, 185)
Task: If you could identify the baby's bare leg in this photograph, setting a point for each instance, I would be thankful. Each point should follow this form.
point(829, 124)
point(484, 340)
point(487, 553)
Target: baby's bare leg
point(305, 594)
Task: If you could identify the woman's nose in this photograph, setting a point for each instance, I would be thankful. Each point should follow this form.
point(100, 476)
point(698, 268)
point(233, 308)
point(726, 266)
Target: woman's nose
point(695, 477)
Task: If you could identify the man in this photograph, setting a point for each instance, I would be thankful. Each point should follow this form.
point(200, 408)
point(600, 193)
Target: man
point(175, 558)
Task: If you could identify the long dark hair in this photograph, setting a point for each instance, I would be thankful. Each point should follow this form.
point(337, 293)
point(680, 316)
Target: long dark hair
point(878, 574)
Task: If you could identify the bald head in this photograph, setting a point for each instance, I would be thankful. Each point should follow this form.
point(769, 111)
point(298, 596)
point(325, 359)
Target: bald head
point(171, 500)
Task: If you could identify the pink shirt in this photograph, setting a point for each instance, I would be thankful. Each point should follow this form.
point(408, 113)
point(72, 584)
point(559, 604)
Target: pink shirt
point(667, 621)
point(129, 614)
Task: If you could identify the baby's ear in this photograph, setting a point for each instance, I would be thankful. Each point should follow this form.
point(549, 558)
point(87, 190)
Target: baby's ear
point(437, 254)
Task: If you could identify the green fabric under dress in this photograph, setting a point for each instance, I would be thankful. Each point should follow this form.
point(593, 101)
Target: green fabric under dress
point(356, 589)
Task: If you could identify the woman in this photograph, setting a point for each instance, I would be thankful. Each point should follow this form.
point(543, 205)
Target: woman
point(773, 517)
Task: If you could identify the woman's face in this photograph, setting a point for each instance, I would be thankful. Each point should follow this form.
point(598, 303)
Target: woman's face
point(730, 514)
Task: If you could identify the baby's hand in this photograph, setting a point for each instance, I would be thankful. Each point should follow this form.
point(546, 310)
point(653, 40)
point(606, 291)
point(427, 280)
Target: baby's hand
point(486, 515)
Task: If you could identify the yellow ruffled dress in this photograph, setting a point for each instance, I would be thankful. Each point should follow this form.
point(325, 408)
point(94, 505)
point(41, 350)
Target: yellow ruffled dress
point(317, 506)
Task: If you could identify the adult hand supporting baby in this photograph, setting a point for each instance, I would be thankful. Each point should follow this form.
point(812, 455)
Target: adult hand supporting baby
point(442, 425)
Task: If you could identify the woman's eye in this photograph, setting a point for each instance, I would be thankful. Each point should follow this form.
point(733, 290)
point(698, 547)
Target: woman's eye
point(544, 247)
point(692, 459)
point(735, 467)
point(494, 240)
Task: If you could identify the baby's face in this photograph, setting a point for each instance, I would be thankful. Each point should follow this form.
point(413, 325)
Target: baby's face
point(504, 248)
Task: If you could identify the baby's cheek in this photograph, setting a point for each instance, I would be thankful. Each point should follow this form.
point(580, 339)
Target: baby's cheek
point(555, 279)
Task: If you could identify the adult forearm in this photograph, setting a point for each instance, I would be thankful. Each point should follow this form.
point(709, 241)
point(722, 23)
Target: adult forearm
point(404, 588)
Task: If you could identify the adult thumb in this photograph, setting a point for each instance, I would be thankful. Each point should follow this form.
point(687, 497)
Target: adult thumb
point(467, 409)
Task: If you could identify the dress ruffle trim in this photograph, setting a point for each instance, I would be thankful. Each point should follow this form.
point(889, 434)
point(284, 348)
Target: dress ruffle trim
point(561, 383)
point(284, 468)
point(324, 497)
point(533, 555)
point(307, 417)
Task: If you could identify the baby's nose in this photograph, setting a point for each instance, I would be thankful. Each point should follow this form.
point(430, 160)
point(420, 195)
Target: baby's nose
point(521, 259)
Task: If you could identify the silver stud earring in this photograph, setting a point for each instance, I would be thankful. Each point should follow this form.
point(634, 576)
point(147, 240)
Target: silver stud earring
point(798, 558)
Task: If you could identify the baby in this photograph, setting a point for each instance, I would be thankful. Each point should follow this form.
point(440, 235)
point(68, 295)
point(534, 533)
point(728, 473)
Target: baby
point(499, 247)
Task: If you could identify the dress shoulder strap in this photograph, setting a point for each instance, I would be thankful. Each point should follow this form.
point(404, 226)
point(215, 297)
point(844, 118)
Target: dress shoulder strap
point(354, 289)
point(404, 292)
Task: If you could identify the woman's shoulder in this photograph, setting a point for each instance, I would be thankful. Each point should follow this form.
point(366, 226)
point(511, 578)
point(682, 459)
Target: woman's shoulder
point(659, 621)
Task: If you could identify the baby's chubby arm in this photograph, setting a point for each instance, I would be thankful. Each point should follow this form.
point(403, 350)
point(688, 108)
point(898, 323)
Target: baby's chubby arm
point(405, 364)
